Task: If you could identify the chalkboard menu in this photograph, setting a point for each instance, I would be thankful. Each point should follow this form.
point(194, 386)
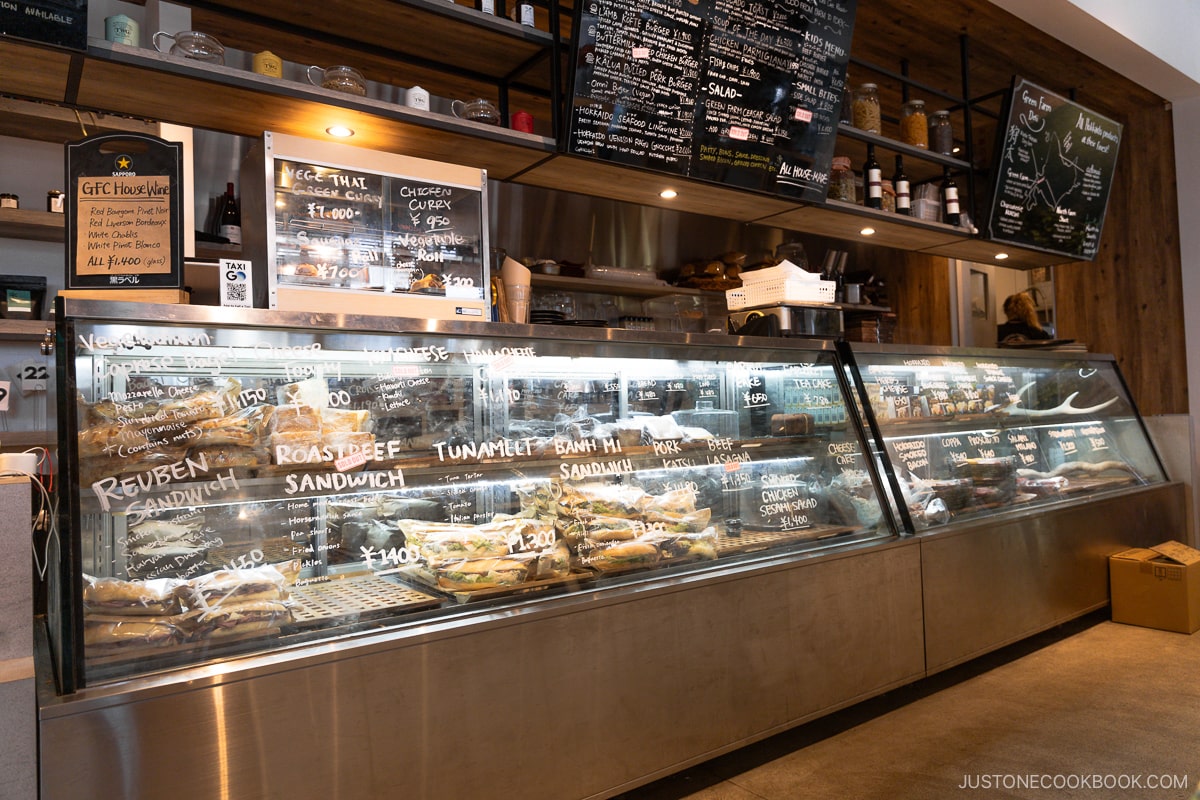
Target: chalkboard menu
point(740, 92)
point(123, 212)
point(350, 229)
point(1053, 173)
point(58, 22)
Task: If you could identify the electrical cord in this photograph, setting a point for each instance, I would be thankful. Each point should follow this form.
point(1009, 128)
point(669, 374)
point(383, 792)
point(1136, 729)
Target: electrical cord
point(47, 509)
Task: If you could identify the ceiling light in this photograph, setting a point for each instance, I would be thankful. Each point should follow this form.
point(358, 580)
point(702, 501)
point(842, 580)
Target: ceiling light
point(867, 231)
point(340, 131)
point(668, 194)
point(1001, 256)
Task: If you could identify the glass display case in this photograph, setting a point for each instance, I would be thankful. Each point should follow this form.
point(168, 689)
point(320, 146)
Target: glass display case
point(237, 481)
point(973, 433)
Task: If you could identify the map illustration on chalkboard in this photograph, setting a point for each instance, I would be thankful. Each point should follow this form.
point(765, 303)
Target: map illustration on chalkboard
point(1053, 173)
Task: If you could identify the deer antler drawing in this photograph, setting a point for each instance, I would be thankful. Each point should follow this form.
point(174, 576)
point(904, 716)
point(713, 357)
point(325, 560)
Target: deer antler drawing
point(1064, 407)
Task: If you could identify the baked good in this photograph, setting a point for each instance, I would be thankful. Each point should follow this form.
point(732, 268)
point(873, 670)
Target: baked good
point(233, 586)
point(312, 392)
point(235, 619)
point(296, 418)
point(482, 573)
point(338, 420)
point(116, 597)
point(621, 555)
point(106, 633)
point(603, 499)
point(439, 543)
point(246, 428)
point(340, 444)
point(791, 424)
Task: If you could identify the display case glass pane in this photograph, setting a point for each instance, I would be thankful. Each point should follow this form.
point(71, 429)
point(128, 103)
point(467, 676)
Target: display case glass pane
point(972, 434)
point(237, 488)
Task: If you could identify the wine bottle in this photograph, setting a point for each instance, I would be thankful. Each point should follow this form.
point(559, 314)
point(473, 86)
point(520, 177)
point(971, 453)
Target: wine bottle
point(903, 189)
point(231, 217)
point(872, 180)
point(950, 208)
point(523, 13)
point(486, 6)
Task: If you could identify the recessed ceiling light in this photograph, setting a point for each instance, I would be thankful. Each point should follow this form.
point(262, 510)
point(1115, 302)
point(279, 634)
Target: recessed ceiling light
point(668, 194)
point(867, 231)
point(340, 131)
point(1001, 256)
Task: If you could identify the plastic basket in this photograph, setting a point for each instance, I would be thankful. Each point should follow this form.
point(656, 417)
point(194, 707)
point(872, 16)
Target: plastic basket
point(774, 291)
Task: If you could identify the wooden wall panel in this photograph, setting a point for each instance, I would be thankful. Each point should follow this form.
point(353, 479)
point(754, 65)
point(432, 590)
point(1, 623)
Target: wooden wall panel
point(1129, 301)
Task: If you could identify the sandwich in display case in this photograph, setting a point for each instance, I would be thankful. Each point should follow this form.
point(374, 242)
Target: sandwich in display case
point(243, 481)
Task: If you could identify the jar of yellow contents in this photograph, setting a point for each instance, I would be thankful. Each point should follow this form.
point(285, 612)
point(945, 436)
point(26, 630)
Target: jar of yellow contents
point(914, 125)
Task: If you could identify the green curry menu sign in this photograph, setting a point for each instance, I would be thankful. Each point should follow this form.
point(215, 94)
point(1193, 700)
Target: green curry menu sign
point(1053, 173)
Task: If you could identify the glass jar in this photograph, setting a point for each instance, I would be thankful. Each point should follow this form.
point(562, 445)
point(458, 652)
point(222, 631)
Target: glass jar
point(914, 125)
point(866, 108)
point(941, 133)
point(889, 197)
point(8, 200)
point(841, 181)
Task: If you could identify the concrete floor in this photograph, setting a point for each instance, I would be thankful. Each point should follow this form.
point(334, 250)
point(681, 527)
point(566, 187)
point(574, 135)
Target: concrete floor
point(1092, 710)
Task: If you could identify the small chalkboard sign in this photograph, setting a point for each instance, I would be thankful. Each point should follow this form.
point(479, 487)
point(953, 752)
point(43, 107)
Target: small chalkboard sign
point(356, 230)
point(1053, 173)
point(123, 213)
point(57, 22)
point(744, 93)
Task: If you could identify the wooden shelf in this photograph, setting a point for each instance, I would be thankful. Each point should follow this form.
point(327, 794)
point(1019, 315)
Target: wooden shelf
point(37, 226)
point(26, 119)
point(241, 102)
point(11, 440)
point(631, 289)
point(23, 329)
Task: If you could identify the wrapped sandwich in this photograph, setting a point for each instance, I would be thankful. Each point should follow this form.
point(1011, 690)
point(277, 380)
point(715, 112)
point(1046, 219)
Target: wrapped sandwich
point(236, 619)
point(116, 597)
point(102, 633)
point(482, 573)
point(228, 586)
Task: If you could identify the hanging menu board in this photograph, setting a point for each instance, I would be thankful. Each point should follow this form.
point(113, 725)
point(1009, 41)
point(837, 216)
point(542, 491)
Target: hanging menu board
point(1053, 173)
point(740, 92)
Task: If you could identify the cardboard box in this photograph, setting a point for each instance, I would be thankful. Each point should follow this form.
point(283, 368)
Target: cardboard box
point(1157, 587)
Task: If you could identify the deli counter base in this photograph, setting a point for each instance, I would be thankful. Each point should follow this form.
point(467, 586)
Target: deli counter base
point(998, 581)
point(563, 700)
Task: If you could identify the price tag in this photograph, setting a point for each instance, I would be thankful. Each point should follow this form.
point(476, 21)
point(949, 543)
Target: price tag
point(237, 290)
point(4, 390)
point(32, 376)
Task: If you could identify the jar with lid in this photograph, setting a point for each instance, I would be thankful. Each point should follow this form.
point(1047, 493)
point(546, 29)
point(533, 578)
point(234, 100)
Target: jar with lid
point(941, 133)
point(8, 200)
point(889, 196)
point(865, 108)
point(841, 181)
point(914, 125)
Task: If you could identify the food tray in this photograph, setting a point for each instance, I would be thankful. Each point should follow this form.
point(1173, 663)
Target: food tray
point(274, 551)
point(428, 577)
point(753, 540)
point(775, 291)
point(353, 597)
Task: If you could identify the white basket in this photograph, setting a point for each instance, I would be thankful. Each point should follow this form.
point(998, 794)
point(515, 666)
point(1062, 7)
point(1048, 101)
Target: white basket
point(775, 291)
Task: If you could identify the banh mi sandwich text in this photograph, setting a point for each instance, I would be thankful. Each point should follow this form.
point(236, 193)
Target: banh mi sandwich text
point(113, 596)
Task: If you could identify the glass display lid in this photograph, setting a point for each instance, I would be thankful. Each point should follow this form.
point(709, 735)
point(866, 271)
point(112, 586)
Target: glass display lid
point(239, 481)
point(969, 434)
